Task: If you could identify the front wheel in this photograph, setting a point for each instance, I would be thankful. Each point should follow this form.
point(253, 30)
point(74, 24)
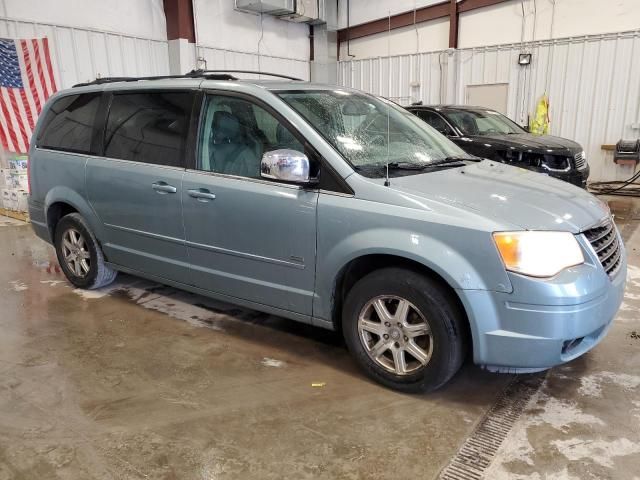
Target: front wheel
point(79, 254)
point(405, 330)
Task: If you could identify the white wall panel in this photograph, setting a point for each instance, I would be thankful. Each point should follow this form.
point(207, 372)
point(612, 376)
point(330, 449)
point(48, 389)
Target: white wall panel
point(593, 83)
point(542, 20)
point(142, 18)
point(219, 59)
point(81, 55)
point(372, 75)
point(227, 38)
point(362, 11)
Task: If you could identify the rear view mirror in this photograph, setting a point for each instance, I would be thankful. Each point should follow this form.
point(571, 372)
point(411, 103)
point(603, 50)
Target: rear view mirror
point(286, 165)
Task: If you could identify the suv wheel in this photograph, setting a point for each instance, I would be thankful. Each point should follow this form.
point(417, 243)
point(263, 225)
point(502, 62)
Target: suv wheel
point(80, 255)
point(404, 330)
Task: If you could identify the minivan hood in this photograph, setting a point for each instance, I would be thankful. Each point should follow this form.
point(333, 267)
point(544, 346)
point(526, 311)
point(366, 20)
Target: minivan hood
point(529, 200)
point(528, 142)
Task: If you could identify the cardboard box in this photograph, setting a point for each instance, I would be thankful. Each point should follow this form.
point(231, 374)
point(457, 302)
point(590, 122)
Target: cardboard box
point(6, 199)
point(19, 200)
point(18, 165)
point(6, 180)
point(20, 182)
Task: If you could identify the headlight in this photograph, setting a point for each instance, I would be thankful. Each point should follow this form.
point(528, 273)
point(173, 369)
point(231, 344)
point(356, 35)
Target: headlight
point(555, 163)
point(538, 254)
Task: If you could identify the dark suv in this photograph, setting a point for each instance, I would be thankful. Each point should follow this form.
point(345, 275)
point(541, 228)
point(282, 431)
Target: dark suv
point(489, 134)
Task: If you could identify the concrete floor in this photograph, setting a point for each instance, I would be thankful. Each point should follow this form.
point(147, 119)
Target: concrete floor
point(144, 381)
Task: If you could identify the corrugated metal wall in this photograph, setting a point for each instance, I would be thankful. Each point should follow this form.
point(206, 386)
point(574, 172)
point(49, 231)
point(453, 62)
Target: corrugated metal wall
point(217, 58)
point(84, 54)
point(593, 84)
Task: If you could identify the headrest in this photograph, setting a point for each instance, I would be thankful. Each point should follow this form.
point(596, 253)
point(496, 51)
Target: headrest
point(226, 128)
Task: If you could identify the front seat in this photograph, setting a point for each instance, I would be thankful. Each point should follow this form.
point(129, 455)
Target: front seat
point(228, 148)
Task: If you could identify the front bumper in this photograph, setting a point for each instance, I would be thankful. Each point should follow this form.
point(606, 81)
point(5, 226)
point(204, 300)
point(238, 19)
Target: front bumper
point(575, 177)
point(544, 323)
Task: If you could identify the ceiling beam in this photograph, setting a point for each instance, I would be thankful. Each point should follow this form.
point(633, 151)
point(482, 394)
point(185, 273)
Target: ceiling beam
point(432, 12)
point(419, 15)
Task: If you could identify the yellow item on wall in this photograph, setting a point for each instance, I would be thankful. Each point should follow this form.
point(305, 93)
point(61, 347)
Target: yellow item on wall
point(540, 124)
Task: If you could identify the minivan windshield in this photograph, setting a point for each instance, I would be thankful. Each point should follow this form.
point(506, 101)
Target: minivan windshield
point(370, 131)
point(482, 122)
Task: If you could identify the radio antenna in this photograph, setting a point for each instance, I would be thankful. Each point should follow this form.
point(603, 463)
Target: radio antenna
point(386, 181)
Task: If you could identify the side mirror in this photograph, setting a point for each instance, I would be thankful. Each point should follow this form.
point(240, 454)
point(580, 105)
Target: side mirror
point(286, 165)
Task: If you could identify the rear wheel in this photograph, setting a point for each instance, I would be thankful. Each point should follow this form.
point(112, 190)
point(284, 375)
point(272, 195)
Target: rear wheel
point(80, 255)
point(405, 330)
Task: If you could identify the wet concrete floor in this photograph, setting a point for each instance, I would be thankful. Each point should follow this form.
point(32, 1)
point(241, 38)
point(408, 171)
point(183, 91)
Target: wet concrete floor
point(140, 380)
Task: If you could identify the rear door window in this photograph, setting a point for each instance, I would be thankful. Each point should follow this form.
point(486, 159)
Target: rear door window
point(70, 123)
point(149, 127)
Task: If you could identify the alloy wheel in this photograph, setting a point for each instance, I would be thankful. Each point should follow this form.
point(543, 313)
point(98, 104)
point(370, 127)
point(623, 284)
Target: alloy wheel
point(395, 334)
point(75, 253)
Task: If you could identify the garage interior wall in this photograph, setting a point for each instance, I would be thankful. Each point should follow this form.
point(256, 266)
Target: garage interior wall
point(116, 38)
point(227, 38)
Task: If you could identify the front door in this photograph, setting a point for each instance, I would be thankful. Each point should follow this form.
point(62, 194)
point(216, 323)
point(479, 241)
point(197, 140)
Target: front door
point(136, 187)
point(248, 237)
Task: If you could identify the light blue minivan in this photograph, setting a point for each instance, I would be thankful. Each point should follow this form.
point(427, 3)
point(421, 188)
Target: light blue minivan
point(328, 206)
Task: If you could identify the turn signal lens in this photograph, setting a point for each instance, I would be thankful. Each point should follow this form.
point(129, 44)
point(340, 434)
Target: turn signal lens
point(538, 254)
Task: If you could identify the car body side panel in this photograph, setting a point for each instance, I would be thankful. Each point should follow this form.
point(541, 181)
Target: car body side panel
point(59, 177)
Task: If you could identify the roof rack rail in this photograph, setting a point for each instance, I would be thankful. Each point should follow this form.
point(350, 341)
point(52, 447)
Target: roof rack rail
point(252, 72)
point(192, 74)
point(205, 74)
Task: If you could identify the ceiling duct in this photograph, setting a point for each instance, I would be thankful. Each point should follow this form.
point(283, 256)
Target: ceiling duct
point(300, 11)
point(267, 7)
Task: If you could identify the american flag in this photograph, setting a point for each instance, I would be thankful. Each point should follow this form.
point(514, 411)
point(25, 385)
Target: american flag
point(26, 81)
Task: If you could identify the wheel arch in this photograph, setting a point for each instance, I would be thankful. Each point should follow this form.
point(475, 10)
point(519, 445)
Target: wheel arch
point(61, 201)
point(362, 265)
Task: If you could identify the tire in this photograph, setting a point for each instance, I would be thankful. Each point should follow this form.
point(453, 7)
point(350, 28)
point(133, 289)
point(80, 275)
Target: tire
point(93, 272)
point(430, 318)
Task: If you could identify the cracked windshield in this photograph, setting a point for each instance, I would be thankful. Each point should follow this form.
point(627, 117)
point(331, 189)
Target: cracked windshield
point(370, 131)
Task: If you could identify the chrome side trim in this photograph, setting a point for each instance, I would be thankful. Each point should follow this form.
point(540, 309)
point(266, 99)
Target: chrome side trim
point(250, 256)
point(156, 236)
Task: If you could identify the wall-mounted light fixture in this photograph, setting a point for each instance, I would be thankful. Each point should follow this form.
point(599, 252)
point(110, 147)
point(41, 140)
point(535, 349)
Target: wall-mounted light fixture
point(524, 59)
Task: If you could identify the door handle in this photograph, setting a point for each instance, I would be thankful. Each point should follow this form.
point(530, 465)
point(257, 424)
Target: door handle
point(163, 187)
point(201, 194)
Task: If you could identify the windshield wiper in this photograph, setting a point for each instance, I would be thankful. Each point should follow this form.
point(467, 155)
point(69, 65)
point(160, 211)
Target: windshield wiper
point(407, 166)
point(450, 160)
point(393, 166)
point(417, 166)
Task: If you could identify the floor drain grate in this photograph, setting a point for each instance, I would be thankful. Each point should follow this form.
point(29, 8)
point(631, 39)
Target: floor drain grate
point(477, 452)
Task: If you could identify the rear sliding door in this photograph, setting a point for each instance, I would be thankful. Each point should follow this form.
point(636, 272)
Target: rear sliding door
point(135, 187)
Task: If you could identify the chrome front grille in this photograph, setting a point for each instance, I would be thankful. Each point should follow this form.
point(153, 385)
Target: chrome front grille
point(580, 160)
point(604, 240)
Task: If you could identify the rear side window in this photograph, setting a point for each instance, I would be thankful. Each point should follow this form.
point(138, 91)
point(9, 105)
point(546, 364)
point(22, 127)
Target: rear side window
point(148, 127)
point(69, 124)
